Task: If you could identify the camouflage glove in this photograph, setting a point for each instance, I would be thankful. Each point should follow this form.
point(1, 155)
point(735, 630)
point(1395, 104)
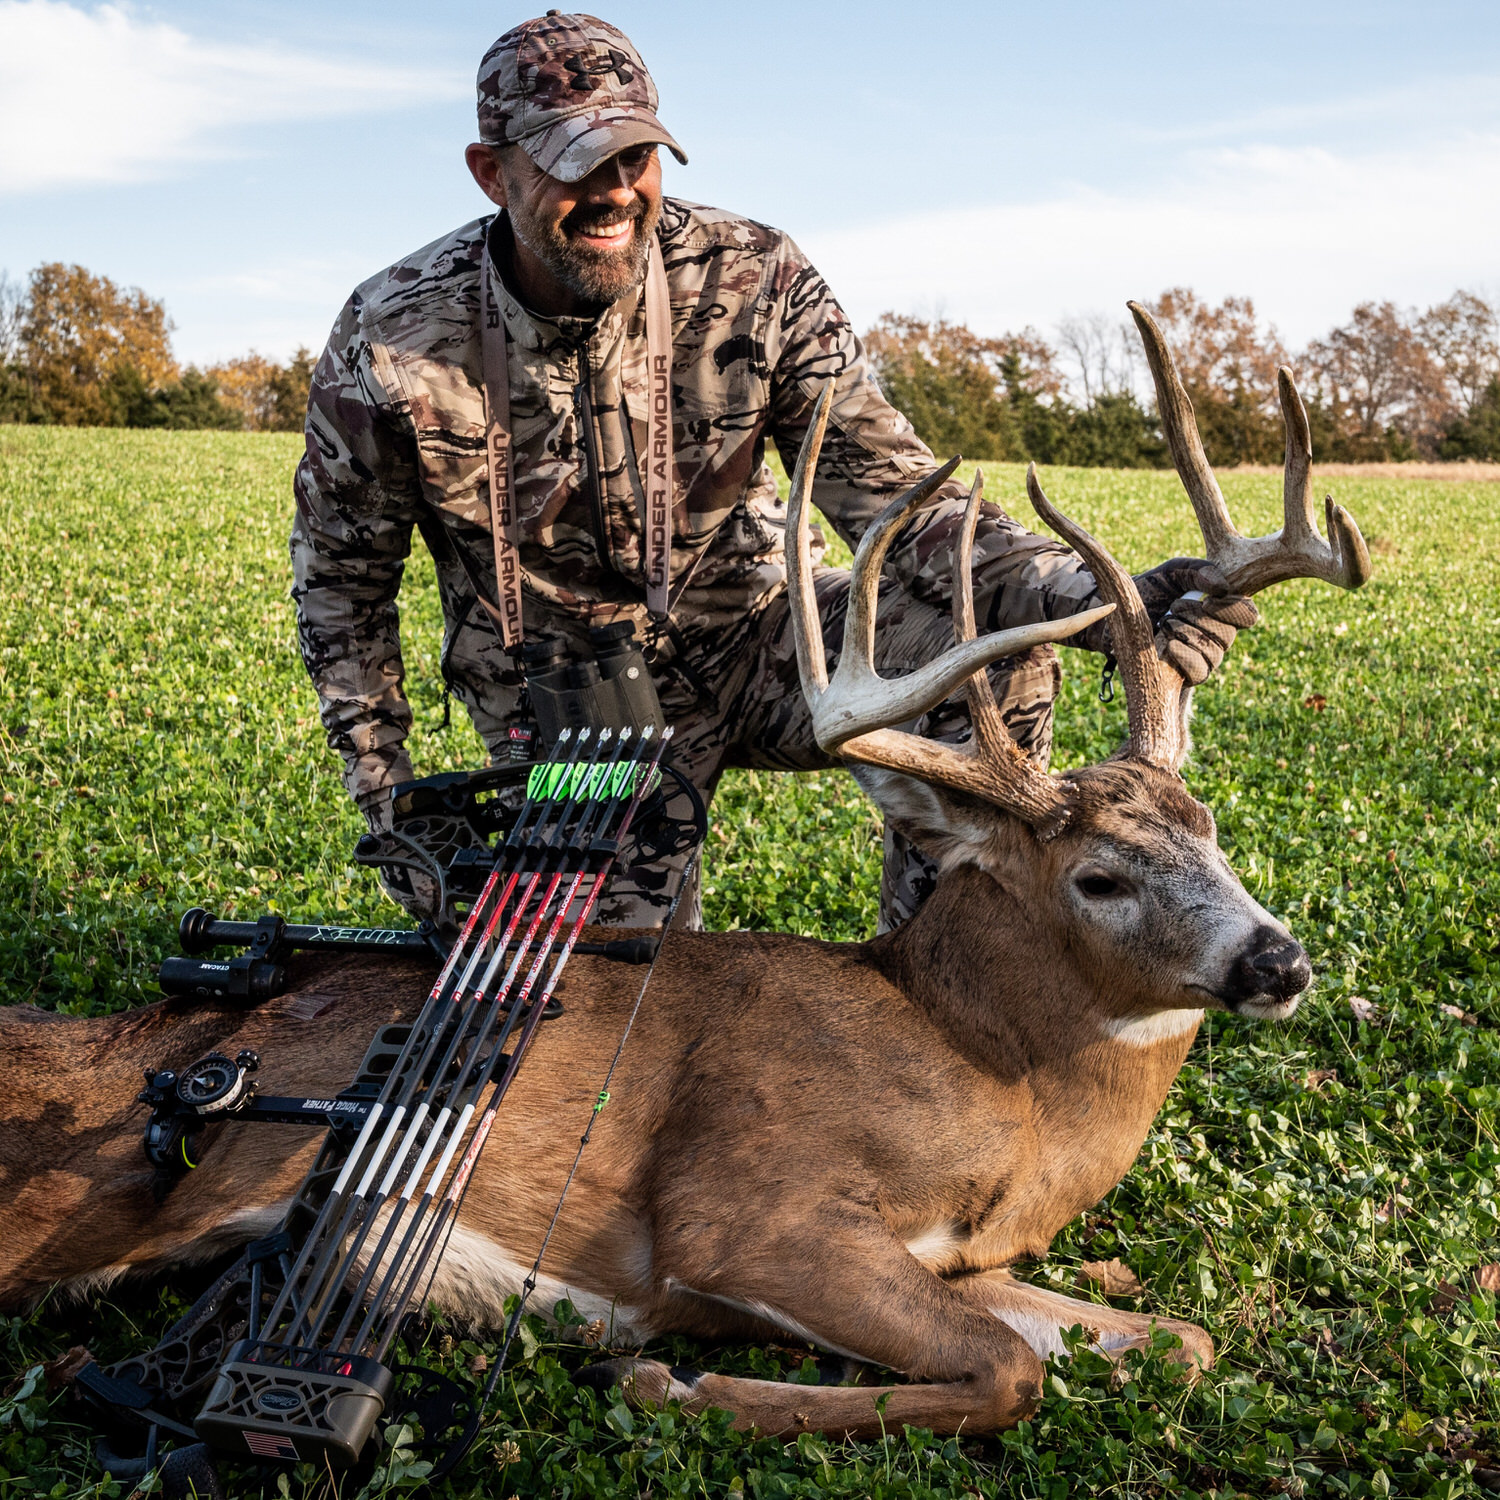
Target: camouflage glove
point(1198, 632)
point(409, 887)
point(1196, 617)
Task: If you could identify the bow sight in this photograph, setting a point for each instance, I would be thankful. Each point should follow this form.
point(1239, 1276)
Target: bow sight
point(288, 1355)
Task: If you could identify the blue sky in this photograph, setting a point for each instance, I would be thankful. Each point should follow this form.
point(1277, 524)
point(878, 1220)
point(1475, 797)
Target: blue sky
point(1004, 164)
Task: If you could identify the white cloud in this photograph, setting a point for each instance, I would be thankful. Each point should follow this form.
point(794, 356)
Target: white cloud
point(103, 95)
point(1306, 232)
point(1424, 106)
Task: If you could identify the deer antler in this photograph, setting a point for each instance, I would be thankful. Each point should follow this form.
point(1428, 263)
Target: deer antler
point(1253, 563)
point(852, 713)
point(1156, 697)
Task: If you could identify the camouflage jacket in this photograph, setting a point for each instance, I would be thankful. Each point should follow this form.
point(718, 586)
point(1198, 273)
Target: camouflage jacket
point(395, 439)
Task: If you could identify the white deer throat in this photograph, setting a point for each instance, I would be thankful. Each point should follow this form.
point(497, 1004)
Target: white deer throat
point(1146, 1031)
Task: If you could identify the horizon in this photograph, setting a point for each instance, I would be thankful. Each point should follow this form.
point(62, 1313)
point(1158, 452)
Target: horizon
point(250, 165)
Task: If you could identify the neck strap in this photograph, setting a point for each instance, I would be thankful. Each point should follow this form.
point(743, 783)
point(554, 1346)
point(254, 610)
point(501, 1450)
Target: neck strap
point(656, 465)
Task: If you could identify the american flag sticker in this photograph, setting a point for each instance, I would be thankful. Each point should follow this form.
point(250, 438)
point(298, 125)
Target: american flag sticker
point(268, 1445)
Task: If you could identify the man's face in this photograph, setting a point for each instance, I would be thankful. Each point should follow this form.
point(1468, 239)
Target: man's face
point(592, 236)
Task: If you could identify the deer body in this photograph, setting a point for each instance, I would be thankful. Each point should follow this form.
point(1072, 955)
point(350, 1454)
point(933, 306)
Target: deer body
point(1019, 1126)
point(956, 1092)
point(848, 1143)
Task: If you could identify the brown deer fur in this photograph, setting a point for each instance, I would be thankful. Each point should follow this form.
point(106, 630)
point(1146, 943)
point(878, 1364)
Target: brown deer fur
point(845, 1142)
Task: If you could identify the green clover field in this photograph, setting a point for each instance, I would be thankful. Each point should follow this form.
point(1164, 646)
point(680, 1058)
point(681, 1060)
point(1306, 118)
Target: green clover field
point(1321, 1195)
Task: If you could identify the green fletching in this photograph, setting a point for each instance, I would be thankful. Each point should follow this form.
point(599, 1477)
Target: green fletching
point(558, 782)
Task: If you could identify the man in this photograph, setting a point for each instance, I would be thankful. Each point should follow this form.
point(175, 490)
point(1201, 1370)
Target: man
point(509, 361)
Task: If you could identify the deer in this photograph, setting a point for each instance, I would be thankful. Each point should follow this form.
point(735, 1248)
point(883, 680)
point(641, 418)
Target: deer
point(848, 1144)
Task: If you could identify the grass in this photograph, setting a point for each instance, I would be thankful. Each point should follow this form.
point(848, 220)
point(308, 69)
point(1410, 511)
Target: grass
point(158, 749)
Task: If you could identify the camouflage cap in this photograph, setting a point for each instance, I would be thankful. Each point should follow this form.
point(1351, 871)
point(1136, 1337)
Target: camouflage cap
point(572, 91)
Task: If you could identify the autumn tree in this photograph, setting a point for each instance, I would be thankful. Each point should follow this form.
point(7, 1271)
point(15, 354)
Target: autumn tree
point(1103, 353)
point(1462, 335)
point(15, 391)
point(12, 309)
point(245, 386)
point(1475, 434)
point(80, 333)
point(268, 397)
point(947, 381)
point(292, 387)
point(1228, 365)
point(1384, 389)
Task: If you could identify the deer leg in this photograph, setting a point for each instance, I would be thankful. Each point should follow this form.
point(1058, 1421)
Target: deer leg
point(863, 1296)
point(1041, 1317)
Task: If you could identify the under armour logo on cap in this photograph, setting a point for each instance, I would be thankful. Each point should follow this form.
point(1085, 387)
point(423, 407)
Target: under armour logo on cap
point(585, 68)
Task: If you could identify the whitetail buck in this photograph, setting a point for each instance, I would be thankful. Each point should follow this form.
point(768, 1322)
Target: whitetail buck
point(849, 1143)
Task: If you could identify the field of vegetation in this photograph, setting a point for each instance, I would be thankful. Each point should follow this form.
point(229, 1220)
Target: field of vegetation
point(1321, 1195)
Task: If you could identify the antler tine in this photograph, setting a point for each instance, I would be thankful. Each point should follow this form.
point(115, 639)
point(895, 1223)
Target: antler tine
point(1181, 429)
point(812, 664)
point(1253, 563)
point(1351, 556)
point(853, 710)
point(1343, 560)
point(989, 727)
point(858, 654)
point(857, 699)
point(1297, 524)
point(1153, 689)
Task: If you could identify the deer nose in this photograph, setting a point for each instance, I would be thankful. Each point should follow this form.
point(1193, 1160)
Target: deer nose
point(1274, 964)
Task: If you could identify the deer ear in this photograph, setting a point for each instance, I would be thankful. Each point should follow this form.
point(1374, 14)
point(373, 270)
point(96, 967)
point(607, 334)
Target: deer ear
point(948, 827)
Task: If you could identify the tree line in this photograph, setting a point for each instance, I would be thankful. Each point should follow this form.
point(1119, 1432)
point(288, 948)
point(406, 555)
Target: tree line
point(78, 351)
point(1389, 384)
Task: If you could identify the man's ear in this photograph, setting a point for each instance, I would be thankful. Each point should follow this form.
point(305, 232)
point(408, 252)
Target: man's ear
point(483, 163)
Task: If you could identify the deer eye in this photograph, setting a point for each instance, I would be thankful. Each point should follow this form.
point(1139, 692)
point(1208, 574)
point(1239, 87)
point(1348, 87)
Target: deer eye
point(1099, 886)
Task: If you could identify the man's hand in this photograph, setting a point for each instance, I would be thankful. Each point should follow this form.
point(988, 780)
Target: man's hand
point(1199, 631)
point(1195, 616)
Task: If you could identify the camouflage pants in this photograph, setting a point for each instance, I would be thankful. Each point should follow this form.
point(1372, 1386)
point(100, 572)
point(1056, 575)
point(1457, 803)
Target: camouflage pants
point(747, 710)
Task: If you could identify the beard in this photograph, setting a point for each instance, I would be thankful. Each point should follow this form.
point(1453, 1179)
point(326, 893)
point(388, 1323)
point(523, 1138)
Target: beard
point(596, 277)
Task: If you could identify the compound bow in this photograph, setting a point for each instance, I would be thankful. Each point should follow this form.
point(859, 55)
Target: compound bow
point(289, 1350)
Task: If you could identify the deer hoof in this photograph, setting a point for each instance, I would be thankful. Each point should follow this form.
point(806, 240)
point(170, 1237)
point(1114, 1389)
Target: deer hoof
point(1197, 1352)
point(639, 1379)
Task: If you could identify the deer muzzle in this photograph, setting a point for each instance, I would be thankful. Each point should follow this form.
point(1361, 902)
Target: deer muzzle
point(1266, 979)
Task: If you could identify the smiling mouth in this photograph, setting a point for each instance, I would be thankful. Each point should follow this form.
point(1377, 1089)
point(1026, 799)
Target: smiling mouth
point(611, 236)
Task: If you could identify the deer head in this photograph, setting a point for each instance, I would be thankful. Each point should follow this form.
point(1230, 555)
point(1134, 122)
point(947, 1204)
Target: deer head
point(1117, 860)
